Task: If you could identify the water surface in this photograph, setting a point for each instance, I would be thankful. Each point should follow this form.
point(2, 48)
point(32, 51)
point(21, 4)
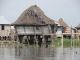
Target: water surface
point(35, 53)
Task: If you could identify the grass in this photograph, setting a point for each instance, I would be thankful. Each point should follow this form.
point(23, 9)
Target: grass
point(67, 43)
point(57, 43)
point(5, 43)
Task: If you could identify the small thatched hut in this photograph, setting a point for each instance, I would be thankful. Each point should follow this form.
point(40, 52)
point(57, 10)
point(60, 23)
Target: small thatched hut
point(64, 28)
point(35, 25)
point(63, 24)
point(61, 27)
point(78, 28)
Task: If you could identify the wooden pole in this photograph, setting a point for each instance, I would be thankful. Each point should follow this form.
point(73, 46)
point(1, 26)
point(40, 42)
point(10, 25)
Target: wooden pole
point(35, 38)
point(43, 40)
point(78, 37)
point(71, 37)
point(62, 40)
point(16, 33)
point(50, 31)
point(78, 40)
point(73, 43)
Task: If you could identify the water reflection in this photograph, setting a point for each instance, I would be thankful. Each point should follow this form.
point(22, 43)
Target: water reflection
point(33, 53)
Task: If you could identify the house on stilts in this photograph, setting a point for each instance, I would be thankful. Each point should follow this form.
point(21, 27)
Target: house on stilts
point(63, 27)
point(5, 28)
point(78, 30)
point(33, 25)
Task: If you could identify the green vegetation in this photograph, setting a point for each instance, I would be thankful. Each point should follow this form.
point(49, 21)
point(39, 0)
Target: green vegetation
point(7, 43)
point(67, 43)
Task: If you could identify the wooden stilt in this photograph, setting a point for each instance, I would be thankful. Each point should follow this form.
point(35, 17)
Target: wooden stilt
point(35, 37)
point(36, 40)
point(43, 37)
point(71, 40)
point(28, 41)
point(43, 40)
point(78, 37)
point(1, 38)
point(62, 40)
point(78, 40)
point(52, 42)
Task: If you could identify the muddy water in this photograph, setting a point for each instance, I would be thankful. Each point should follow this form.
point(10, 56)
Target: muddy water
point(31, 53)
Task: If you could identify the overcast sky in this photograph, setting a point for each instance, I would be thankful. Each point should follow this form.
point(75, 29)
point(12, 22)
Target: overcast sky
point(69, 10)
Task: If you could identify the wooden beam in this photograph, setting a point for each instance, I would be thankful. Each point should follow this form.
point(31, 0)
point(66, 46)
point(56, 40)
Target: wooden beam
point(62, 40)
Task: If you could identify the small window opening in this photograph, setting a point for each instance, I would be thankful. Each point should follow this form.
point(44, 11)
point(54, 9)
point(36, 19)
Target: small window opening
point(2, 27)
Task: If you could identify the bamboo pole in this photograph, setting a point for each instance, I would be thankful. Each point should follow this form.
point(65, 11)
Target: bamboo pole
point(43, 40)
point(71, 37)
point(78, 37)
point(77, 40)
point(62, 40)
point(50, 31)
point(35, 38)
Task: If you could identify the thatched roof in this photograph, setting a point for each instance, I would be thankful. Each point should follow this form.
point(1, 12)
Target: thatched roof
point(33, 16)
point(78, 26)
point(62, 23)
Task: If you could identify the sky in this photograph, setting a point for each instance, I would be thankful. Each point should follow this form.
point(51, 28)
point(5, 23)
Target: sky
point(69, 10)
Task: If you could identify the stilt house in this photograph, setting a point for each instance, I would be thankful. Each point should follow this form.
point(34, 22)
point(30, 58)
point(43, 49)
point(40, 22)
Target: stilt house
point(64, 28)
point(4, 28)
point(35, 25)
point(78, 29)
point(69, 30)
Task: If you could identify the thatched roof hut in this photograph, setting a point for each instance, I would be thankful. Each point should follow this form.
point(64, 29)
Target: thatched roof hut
point(33, 23)
point(78, 26)
point(33, 16)
point(62, 23)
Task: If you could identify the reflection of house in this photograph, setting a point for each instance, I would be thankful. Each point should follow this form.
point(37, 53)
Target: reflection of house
point(34, 24)
point(4, 28)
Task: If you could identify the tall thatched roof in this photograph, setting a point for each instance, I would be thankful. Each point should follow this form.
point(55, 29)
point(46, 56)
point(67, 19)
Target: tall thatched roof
point(33, 16)
point(62, 23)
